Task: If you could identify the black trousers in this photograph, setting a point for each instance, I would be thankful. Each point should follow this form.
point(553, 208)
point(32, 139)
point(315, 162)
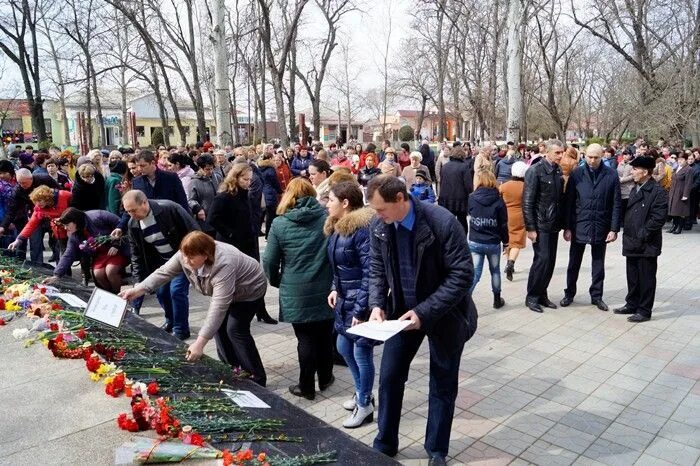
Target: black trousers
point(235, 344)
point(270, 214)
point(315, 349)
point(641, 284)
point(398, 354)
point(545, 249)
point(692, 219)
point(597, 269)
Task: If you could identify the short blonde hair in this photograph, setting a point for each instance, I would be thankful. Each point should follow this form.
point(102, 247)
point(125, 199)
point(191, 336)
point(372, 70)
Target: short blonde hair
point(416, 155)
point(299, 187)
point(484, 178)
point(42, 194)
point(86, 169)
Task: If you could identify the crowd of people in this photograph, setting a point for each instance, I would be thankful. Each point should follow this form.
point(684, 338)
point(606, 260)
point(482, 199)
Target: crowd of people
point(352, 233)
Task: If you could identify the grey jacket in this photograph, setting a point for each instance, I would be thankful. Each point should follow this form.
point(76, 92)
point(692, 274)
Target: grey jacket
point(232, 277)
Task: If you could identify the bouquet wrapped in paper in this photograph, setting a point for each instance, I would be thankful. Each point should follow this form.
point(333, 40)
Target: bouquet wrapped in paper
point(143, 450)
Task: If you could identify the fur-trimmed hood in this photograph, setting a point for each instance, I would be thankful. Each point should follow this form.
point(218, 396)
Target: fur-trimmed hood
point(267, 163)
point(350, 222)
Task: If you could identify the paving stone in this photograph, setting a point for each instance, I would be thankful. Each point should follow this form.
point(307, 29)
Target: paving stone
point(569, 438)
point(530, 384)
point(545, 454)
point(654, 405)
point(482, 454)
point(674, 381)
point(628, 383)
point(648, 460)
point(529, 423)
point(688, 411)
point(627, 436)
point(611, 453)
point(586, 422)
point(600, 407)
point(641, 420)
point(564, 395)
point(509, 440)
point(580, 384)
point(592, 372)
point(615, 394)
point(639, 372)
point(681, 433)
point(548, 409)
point(673, 452)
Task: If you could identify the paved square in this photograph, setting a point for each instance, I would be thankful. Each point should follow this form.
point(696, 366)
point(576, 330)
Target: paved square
point(571, 386)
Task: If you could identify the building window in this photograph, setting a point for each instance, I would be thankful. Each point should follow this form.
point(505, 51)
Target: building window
point(140, 131)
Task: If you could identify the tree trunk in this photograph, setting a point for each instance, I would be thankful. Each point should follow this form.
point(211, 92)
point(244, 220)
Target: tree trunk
point(223, 98)
point(515, 93)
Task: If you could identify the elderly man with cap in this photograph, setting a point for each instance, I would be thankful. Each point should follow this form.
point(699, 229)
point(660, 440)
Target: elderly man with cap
point(592, 217)
point(641, 240)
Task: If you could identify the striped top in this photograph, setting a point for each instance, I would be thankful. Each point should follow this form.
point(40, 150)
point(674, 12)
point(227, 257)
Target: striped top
point(153, 235)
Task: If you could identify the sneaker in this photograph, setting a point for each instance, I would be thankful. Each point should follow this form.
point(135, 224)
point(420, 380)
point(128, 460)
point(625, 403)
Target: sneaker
point(360, 415)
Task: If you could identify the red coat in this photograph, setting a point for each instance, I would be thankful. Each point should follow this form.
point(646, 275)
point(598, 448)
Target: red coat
point(61, 203)
point(284, 175)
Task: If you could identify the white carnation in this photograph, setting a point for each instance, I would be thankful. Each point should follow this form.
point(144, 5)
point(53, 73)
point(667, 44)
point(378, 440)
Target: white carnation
point(20, 333)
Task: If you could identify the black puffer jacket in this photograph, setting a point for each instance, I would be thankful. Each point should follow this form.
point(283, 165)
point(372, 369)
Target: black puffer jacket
point(593, 208)
point(543, 198)
point(644, 218)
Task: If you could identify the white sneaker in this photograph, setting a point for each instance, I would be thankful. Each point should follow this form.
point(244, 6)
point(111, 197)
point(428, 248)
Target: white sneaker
point(360, 416)
point(351, 403)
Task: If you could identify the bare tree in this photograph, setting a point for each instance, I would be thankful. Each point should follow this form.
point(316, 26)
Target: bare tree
point(277, 60)
point(18, 41)
point(333, 11)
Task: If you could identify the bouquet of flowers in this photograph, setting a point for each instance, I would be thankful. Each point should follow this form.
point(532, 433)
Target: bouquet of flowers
point(92, 244)
point(147, 451)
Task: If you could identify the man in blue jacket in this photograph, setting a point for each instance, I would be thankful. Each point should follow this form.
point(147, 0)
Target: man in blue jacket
point(420, 271)
point(592, 217)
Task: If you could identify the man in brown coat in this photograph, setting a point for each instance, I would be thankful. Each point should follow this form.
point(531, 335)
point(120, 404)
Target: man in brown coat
point(679, 195)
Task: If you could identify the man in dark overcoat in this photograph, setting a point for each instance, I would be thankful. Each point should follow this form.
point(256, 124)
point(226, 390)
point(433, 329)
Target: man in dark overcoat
point(592, 217)
point(641, 240)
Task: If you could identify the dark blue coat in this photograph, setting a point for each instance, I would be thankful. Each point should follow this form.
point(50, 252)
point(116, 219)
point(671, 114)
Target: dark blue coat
point(444, 273)
point(593, 207)
point(271, 184)
point(348, 253)
point(299, 164)
point(168, 186)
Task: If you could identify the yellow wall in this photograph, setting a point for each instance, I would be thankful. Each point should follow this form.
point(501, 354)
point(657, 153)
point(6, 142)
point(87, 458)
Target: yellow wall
point(149, 123)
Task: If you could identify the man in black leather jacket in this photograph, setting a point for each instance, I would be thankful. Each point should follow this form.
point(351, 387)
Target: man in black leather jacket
point(543, 201)
point(156, 228)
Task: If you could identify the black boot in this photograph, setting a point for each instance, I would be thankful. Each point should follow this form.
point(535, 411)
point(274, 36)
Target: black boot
point(263, 316)
point(510, 268)
point(498, 302)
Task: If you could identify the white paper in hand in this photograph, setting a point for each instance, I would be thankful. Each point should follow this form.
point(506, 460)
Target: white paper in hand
point(380, 331)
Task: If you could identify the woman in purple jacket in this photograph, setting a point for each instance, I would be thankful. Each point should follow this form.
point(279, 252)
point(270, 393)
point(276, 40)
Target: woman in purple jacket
point(88, 238)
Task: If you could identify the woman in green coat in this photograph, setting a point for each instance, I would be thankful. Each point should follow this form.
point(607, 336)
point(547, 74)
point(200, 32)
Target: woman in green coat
point(113, 195)
point(296, 262)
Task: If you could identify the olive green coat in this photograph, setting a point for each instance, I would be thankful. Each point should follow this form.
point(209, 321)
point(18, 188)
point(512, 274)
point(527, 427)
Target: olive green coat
point(296, 262)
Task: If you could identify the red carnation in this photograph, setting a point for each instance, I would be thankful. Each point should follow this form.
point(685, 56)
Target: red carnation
point(152, 388)
point(2, 322)
point(53, 326)
point(93, 363)
point(197, 440)
point(2, 304)
point(81, 334)
point(56, 307)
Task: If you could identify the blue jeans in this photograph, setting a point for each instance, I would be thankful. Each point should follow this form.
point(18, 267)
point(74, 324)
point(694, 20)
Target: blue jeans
point(360, 361)
point(36, 245)
point(493, 253)
point(173, 298)
point(398, 353)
